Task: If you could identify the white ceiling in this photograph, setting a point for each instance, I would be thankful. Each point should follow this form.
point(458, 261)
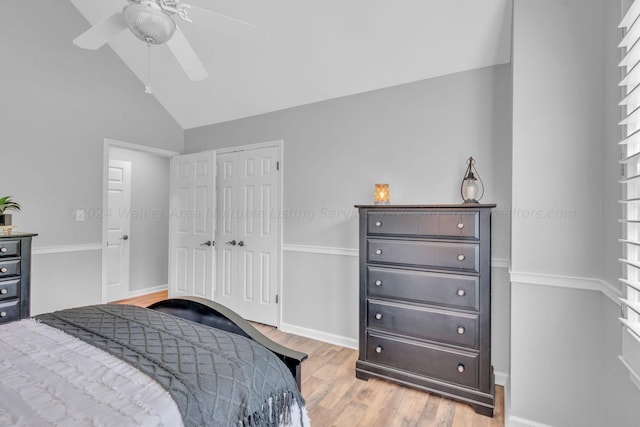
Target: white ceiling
point(317, 50)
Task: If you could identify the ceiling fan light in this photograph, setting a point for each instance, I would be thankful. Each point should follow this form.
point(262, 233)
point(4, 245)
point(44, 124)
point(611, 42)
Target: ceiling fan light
point(148, 22)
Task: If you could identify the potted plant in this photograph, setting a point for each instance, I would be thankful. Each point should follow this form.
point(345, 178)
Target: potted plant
point(6, 204)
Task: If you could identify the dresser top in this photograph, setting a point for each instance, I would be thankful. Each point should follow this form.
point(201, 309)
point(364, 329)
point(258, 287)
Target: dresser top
point(445, 206)
point(13, 235)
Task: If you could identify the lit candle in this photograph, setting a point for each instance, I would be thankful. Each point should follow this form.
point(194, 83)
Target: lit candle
point(381, 194)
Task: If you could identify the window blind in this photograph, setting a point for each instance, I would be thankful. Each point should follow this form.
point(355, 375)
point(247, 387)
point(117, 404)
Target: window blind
point(630, 182)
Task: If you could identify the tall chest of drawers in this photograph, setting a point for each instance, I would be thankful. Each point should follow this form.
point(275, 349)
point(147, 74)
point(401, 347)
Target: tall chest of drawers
point(425, 299)
point(15, 276)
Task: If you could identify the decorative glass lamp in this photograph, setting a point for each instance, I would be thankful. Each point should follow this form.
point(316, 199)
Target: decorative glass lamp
point(472, 188)
point(381, 194)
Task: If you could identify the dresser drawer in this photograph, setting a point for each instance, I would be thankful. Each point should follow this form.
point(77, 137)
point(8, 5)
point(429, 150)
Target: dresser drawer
point(458, 367)
point(9, 248)
point(9, 289)
point(450, 256)
point(9, 310)
point(434, 288)
point(9, 268)
point(434, 224)
point(434, 325)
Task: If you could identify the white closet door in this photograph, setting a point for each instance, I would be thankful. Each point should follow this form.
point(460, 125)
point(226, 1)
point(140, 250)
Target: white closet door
point(248, 233)
point(192, 225)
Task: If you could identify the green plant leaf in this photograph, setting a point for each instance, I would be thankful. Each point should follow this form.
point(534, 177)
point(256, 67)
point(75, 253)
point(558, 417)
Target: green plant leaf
point(6, 204)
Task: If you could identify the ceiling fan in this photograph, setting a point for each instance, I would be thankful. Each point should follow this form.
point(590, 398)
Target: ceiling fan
point(154, 22)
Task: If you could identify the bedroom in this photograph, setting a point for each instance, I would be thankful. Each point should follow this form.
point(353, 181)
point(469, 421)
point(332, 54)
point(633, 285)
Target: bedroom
point(531, 124)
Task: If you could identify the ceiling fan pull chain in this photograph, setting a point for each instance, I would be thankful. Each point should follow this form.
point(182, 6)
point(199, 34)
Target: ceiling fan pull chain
point(147, 87)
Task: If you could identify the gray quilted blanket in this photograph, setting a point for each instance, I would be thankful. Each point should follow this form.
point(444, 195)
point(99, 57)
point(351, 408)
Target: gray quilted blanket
point(216, 378)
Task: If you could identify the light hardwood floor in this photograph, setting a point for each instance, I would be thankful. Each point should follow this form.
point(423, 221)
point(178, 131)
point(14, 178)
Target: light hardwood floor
point(335, 397)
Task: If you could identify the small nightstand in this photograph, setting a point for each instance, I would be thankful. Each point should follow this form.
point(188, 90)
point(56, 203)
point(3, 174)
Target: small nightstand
point(15, 276)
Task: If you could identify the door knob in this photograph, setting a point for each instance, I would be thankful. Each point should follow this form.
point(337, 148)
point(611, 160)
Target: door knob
point(232, 243)
point(207, 243)
point(125, 237)
point(240, 243)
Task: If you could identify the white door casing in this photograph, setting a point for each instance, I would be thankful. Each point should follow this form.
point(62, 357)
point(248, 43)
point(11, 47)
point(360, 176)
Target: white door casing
point(192, 225)
point(248, 256)
point(118, 229)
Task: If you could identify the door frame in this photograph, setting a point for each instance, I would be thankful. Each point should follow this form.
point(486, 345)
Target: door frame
point(279, 143)
point(108, 143)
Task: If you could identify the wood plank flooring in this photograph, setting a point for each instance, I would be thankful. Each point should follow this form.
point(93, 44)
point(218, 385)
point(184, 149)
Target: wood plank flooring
point(335, 397)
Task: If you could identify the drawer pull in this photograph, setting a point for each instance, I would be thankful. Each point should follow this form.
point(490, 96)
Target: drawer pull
point(460, 367)
point(4, 270)
point(461, 292)
point(378, 251)
point(460, 225)
point(461, 257)
point(378, 223)
point(3, 314)
point(378, 316)
point(379, 349)
point(460, 330)
point(378, 282)
point(3, 250)
point(3, 291)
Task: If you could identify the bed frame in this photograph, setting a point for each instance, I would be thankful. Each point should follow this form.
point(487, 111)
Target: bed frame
point(210, 313)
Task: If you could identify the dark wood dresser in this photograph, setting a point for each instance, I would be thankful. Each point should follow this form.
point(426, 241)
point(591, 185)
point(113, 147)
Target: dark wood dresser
point(15, 276)
point(425, 299)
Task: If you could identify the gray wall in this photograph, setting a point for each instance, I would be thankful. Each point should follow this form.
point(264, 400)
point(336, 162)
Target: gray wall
point(565, 336)
point(416, 137)
point(58, 102)
point(149, 236)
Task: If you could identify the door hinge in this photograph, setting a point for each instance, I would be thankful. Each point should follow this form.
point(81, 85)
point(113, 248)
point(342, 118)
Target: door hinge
point(278, 168)
point(277, 299)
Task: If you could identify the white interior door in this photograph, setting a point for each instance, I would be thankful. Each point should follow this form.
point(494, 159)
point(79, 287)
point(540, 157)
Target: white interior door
point(192, 225)
point(248, 256)
point(118, 229)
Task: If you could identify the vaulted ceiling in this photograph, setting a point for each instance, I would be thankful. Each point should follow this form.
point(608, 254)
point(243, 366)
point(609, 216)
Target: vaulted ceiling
point(312, 50)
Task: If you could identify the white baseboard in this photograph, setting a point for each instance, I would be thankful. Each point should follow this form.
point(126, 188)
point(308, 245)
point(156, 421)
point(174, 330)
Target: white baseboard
point(501, 378)
point(140, 292)
point(351, 343)
point(523, 422)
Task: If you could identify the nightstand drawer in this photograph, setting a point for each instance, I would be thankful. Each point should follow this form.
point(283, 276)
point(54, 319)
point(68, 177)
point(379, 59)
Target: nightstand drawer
point(449, 256)
point(9, 311)
point(416, 322)
point(9, 289)
point(458, 367)
point(9, 248)
point(435, 224)
point(9, 268)
point(451, 290)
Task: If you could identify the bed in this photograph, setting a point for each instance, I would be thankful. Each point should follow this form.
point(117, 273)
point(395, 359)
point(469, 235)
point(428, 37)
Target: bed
point(179, 362)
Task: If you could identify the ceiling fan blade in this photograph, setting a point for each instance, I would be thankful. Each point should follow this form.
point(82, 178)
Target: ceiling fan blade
point(186, 56)
point(101, 33)
point(225, 24)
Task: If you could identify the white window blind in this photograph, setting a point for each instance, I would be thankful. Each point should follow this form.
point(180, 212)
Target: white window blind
point(630, 144)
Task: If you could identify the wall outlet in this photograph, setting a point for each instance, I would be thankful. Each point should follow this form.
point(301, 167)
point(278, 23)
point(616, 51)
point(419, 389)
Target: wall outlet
point(79, 214)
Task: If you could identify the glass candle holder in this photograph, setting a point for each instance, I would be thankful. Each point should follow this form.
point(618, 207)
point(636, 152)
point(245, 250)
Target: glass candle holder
point(381, 194)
